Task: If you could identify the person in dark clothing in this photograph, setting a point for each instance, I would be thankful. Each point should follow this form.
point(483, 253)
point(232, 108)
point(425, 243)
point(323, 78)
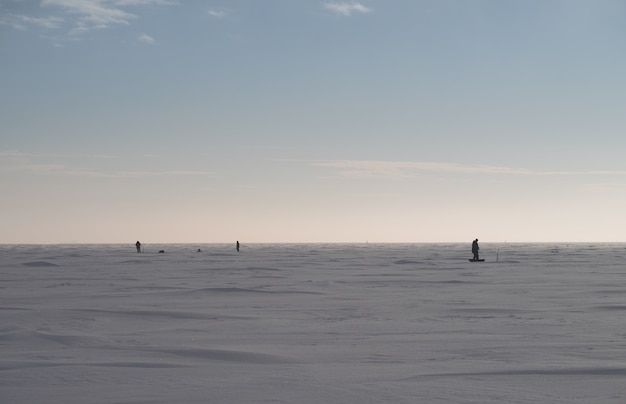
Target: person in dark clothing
point(237, 245)
point(475, 249)
point(138, 245)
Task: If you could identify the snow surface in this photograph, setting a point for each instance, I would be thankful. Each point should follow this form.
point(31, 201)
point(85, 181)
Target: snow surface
point(304, 323)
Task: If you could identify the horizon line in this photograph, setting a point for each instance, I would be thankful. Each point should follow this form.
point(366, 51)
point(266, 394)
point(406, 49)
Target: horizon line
point(312, 242)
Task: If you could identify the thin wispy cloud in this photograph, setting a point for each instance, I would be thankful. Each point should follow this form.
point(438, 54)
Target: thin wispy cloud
point(143, 2)
point(92, 13)
point(399, 170)
point(347, 9)
point(217, 14)
point(23, 22)
point(34, 164)
point(99, 14)
point(46, 22)
point(145, 38)
point(66, 171)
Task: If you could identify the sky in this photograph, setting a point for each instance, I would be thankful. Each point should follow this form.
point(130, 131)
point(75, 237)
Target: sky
point(312, 121)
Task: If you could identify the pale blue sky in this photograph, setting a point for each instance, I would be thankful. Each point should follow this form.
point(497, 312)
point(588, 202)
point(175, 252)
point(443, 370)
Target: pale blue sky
point(312, 121)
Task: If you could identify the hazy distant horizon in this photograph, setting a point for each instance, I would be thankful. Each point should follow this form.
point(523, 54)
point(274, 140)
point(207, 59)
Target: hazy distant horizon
point(131, 244)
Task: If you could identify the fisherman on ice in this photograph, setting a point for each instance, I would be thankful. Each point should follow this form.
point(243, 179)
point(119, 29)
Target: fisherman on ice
point(475, 250)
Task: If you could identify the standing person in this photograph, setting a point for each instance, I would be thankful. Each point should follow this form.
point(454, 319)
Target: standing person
point(138, 245)
point(237, 245)
point(475, 249)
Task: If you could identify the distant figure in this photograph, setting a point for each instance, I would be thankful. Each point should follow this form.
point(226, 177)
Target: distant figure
point(199, 250)
point(237, 245)
point(475, 249)
point(138, 245)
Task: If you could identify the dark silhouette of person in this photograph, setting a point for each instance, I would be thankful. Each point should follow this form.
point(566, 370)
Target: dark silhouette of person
point(138, 245)
point(475, 249)
point(237, 245)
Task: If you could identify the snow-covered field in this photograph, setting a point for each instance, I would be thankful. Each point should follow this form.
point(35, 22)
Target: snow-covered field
point(313, 323)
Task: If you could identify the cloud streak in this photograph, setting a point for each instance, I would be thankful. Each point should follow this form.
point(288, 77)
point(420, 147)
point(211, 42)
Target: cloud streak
point(217, 14)
point(23, 22)
point(399, 170)
point(99, 14)
point(347, 9)
point(145, 38)
point(17, 162)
